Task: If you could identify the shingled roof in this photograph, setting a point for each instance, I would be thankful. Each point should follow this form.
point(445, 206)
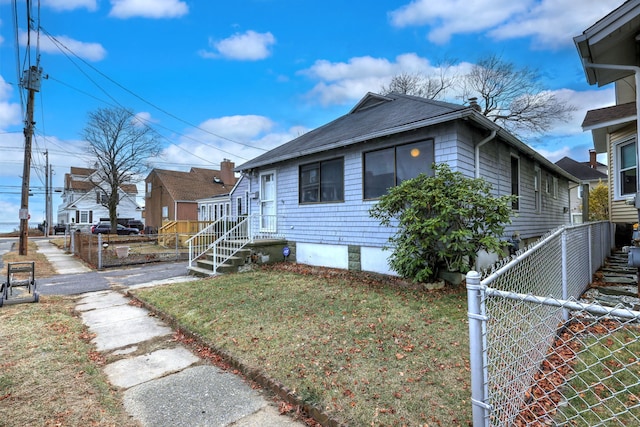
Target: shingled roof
point(377, 116)
point(372, 117)
point(580, 170)
point(77, 180)
point(609, 115)
point(198, 183)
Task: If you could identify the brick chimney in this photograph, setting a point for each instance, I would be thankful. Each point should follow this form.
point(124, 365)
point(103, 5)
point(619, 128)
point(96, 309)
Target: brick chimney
point(226, 172)
point(593, 163)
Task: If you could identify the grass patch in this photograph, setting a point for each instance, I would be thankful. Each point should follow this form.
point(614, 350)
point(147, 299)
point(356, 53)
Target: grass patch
point(42, 265)
point(50, 374)
point(605, 384)
point(366, 352)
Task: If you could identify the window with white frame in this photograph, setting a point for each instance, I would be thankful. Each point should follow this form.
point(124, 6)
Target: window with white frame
point(537, 177)
point(627, 169)
point(554, 188)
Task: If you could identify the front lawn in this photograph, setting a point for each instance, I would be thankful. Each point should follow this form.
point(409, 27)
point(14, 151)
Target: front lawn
point(364, 349)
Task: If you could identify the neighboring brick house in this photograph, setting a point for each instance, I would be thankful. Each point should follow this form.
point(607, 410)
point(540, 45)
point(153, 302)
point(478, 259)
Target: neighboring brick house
point(590, 174)
point(82, 200)
point(173, 195)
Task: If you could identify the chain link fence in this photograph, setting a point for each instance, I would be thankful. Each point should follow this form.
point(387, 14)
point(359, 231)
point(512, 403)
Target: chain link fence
point(539, 355)
point(108, 250)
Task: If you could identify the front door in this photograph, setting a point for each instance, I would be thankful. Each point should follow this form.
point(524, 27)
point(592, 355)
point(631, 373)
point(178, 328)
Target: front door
point(268, 201)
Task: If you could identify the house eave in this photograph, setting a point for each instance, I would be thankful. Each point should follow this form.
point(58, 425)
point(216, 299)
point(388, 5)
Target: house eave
point(600, 131)
point(611, 40)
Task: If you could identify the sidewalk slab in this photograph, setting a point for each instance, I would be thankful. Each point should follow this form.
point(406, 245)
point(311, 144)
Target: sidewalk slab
point(62, 262)
point(197, 396)
point(101, 299)
point(122, 325)
point(127, 373)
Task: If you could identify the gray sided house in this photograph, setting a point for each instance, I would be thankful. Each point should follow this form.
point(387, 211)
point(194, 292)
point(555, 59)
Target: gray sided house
point(316, 190)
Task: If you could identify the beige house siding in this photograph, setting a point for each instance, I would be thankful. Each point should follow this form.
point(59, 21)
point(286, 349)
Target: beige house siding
point(621, 212)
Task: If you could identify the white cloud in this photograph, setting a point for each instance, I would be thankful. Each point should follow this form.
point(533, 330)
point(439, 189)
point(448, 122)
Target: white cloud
point(447, 18)
point(551, 23)
point(554, 23)
point(343, 82)
point(65, 5)
point(10, 113)
point(144, 118)
point(583, 101)
point(250, 46)
point(148, 8)
point(64, 44)
point(211, 143)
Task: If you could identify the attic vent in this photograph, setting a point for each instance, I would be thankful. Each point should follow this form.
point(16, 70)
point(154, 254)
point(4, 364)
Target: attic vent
point(217, 180)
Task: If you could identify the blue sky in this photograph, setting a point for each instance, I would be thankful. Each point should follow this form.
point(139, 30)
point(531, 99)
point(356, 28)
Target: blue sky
point(232, 79)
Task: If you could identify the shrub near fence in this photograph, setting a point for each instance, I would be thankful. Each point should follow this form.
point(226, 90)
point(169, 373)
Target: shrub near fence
point(108, 250)
point(539, 355)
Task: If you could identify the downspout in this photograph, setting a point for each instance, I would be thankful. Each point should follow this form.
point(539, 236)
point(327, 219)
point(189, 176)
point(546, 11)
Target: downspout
point(480, 144)
point(636, 71)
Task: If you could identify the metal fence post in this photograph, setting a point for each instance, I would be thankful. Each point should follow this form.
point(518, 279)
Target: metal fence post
point(564, 263)
point(73, 242)
point(477, 355)
point(100, 251)
point(177, 245)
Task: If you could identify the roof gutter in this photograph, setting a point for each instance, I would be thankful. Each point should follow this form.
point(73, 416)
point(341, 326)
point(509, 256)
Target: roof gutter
point(480, 144)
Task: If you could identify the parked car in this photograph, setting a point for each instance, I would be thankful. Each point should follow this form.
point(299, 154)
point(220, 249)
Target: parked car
point(105, 228)
point(59, 228)
point(135, 223)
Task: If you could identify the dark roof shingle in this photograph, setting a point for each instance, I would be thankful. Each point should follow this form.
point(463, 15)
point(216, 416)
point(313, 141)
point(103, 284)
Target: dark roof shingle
point(580, 170)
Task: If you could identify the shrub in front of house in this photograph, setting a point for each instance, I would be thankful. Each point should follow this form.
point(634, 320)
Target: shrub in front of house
point(442, 222)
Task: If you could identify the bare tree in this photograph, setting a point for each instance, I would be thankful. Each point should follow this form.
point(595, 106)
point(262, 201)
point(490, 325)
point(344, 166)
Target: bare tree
point(120, 145)
point(513, 97)
point(418, 84)
point(510, 96)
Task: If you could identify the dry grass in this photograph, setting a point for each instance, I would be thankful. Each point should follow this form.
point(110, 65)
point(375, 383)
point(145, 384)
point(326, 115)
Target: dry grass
point(42, 265)
point(366, 352)
point(50, 374)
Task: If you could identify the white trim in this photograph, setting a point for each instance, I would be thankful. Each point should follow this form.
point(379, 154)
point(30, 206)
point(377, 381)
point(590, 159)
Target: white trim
point(268, 222)
point(617, 187)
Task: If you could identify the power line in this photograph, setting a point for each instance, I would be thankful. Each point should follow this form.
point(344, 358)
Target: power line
point(60, 45)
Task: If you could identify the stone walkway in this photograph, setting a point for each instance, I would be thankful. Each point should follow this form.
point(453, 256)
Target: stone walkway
point(618, 285)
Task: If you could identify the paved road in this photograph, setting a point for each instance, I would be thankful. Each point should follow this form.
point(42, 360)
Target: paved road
point(73, 284)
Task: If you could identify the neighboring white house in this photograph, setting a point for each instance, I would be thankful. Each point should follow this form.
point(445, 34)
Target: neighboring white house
point(233, 204)
point(316, 190)
point(82, 201)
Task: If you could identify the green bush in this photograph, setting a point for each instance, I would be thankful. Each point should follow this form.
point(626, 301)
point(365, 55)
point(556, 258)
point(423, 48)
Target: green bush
point(443, 221)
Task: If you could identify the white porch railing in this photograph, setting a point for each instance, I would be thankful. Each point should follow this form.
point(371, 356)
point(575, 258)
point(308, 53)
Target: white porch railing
point(201, 242)
point(226, 236)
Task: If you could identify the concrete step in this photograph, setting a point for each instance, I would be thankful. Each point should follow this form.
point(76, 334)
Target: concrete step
point(200, 272)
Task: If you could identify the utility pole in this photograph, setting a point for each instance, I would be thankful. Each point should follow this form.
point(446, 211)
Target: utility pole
point(31, 82)
point(49, 204)
point(46, 195)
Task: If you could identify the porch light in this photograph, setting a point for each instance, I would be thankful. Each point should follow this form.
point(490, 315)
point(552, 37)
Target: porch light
point(415, 152)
